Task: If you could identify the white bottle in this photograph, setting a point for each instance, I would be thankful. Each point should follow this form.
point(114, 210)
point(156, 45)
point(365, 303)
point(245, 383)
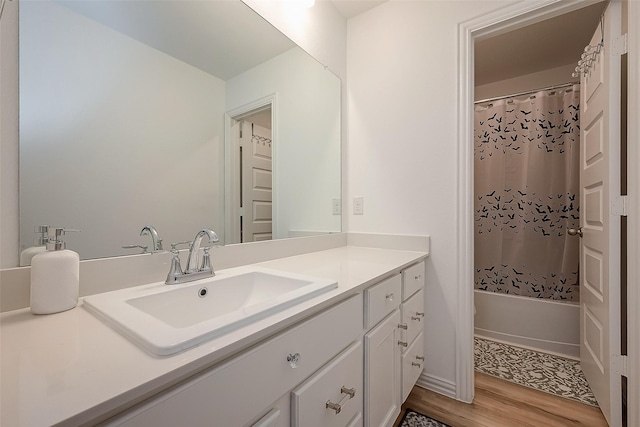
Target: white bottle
point(55, 276)
point(27, 255)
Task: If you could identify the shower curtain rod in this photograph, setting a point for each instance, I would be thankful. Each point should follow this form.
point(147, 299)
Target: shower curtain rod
point(525, 92)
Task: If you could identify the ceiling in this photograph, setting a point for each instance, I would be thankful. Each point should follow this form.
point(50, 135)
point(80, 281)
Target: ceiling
point(547, 44)
point(351, 8)
point(210, 35)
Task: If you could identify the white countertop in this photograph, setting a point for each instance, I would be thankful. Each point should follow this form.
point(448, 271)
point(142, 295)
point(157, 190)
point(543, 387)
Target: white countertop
point(71, 368)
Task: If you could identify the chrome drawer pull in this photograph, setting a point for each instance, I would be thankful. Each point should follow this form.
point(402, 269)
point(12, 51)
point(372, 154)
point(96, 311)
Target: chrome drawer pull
point(415, 364)
point(293, 360)
point(389, 296)
point(403, 326)
point(421, 314)
point(415, 318)
point(349, 393)
point(419, 357)
point(418, 276)
point(402, 343)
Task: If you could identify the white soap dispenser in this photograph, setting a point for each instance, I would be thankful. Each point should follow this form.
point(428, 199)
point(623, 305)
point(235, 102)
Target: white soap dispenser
point(55, 276)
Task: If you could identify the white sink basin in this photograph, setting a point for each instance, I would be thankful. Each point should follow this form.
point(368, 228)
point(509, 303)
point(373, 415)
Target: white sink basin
point(165, 319)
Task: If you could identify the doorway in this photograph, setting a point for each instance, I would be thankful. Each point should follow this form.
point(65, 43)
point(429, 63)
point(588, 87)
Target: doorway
point(515, 17)
point(526, 185)
point(249, 173)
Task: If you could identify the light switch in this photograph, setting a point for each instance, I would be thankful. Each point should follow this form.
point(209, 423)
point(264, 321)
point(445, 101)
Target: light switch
point(337, 207)
point(358, 205)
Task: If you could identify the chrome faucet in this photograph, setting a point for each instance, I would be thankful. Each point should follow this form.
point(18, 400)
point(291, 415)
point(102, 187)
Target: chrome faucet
point(194, 252)
point(194, 270)
point(156, 241)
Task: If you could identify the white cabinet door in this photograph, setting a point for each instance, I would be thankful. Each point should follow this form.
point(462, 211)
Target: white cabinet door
point(382, 372)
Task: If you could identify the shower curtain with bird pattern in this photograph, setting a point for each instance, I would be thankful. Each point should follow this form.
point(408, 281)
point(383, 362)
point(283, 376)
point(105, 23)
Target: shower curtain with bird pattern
point(527, 182)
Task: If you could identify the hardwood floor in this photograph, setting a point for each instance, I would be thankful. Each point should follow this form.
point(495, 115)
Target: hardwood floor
point(499, 403)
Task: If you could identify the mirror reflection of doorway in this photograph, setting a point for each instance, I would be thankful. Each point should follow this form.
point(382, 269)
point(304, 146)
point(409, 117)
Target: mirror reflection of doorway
point(252, 175)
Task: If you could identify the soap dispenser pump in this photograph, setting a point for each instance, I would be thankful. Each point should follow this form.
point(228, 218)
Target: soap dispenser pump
point(55, 276)
point(39, 245)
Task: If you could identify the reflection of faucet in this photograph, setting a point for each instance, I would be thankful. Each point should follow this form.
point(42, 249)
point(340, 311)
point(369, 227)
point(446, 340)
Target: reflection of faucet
point(156, 241)
point(194, 271)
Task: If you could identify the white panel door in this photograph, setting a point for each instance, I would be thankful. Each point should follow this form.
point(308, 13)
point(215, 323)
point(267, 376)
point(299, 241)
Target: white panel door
point(257, 188)
point(599, 250)
point(382, 366)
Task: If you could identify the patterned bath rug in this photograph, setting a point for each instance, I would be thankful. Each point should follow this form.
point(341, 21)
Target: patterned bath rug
point(414, 419)
point(540, 371)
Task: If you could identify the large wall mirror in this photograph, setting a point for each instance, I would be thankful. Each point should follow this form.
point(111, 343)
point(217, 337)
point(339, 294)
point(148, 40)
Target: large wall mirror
point(175, 114)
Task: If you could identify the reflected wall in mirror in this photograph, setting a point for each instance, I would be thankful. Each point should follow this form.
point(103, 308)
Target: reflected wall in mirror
point(123, 109)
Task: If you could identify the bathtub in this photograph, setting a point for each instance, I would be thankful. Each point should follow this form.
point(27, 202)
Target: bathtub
point(538, 324)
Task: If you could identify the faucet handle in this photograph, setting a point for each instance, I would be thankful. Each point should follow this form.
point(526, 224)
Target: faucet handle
point(143, 247)
point(175, 245)
point(206, 261)
point(175, 269)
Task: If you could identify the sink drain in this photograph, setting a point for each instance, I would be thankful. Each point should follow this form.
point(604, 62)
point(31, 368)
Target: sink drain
point(202, 292)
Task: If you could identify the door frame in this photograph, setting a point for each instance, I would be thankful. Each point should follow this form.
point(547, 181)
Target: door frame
point(633, 214)
point(500, 21)
point(230, 203)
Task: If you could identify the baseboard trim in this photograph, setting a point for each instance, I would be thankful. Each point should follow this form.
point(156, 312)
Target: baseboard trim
point(437, 384)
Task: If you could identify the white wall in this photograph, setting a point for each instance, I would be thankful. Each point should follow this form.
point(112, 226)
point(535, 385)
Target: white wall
point(143, 129)
point(319, 30)
point(322, 32)
point(306, 150)
point(538, 80)
point(402, 145)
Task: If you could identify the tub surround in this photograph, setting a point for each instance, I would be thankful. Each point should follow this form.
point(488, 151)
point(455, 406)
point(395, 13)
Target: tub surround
point(71, 368)
point(536, 323)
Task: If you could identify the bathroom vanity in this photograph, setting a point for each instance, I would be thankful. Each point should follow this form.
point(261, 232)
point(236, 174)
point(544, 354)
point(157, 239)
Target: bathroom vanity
point(348, 357)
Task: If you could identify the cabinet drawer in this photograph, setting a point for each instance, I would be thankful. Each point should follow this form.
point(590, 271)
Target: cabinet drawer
point(412, 365)
point(277, 414)
point(413, 317)
point(237, 391)
point(412, 280)
point(337, 383)
point(269, 420)
point(382, 299)
point(356, 421)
